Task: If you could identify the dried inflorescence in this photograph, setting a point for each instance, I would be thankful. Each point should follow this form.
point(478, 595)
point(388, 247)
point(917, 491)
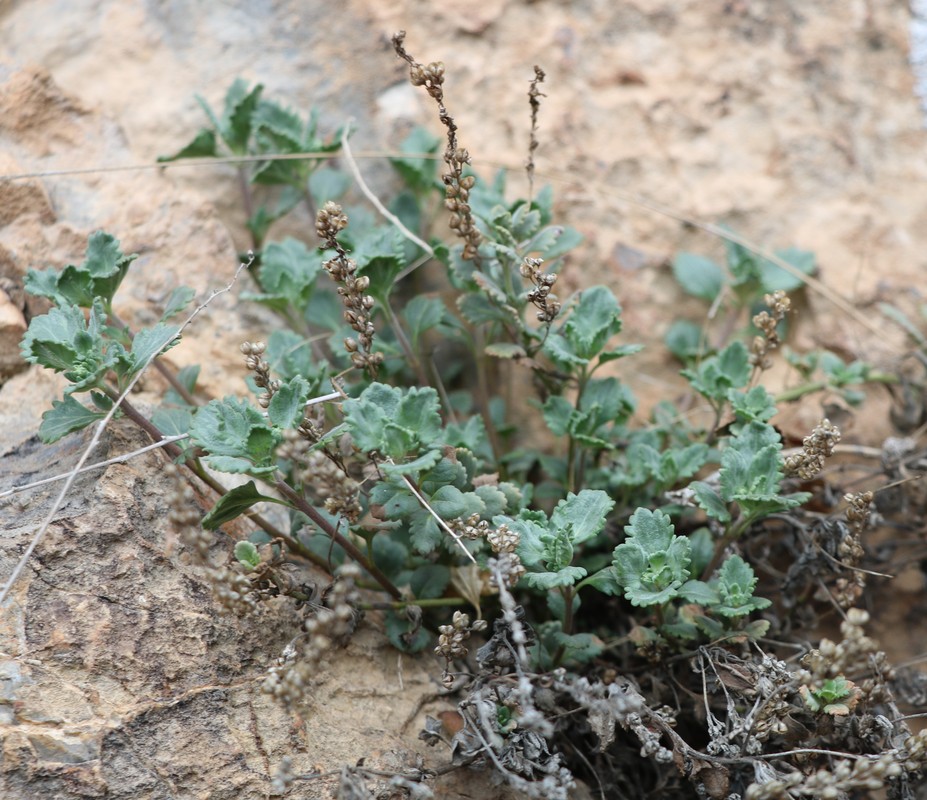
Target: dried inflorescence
point(331, 624)
point(503, 541)
point(817, 447)
point(767, 323)
point(856, 653)
point(456, 186)
point(230, 586)
point(323, 471)
point(254, 360)
point(540, 296)
point(865, 773)
point(184, 516)
point(533, 94)
point(330, 221)
point(452, 641)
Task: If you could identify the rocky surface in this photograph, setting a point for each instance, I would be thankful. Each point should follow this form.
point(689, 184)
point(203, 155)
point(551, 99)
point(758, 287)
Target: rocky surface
point(794, 122)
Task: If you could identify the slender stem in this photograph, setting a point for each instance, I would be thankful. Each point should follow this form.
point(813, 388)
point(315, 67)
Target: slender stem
point(248, 202)
point(431, 602)
point(482, 387)
point(568, 610)
point(567, 593)
point(310, 203)
point(414, 360)
point(732, 534)
point(294, 545)
point(342, 541)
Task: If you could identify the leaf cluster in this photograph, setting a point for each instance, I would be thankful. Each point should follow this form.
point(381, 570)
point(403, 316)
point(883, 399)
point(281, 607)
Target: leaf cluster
point(80, 338)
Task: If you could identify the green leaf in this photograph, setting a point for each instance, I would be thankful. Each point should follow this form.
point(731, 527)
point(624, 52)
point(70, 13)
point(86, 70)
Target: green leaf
point(718, 374)
point(388, 554)
point(558, 549)
point(429, 581)
point(380, 255)
point(652, 563)
point(531, 546)
point(684, 340)
point(735, 584)
point(287, 406)
point(755, 405)
point(423, 313)
point(544, 581)
point(247, 554)
point(327, 184)
point(404, 635)
point(699, 276)
point(180, 298)
point(418, 173)
point(605, 580)
point(583, 514)
point(290, 355)
point(288, 275)
point(552, 242)
point(773, 277)
point(751, 471)
point(173, 422)
point(623, 351)
point(64, 341)
point(393, 421)
point(744, 266)
point(203, 145)
point(594, 320)
point(558, 414)
point(505, 350)
point(236, 437)
point(240, 105)
point(471, 435)
point(553, 643)
point(494, 499)
point(64, 417)
point(699, 592)
point(702, 549)
point(151, 342)
point(476, 310)
point(561, 351)
point(99, 275)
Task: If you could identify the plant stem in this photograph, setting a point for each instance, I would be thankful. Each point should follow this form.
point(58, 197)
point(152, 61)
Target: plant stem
point(816, 386)
point(172, 450)
point(732, 534)
point(342, 541)
point(248, 202)
point(431, 602)
point(566, 593)
point(414, 361)
point(482, 387)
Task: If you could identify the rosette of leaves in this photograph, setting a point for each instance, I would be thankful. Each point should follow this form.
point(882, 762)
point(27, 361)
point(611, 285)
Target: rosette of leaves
point(652, 567)
point(750, 478)
point(548, 545)
point(835, 696)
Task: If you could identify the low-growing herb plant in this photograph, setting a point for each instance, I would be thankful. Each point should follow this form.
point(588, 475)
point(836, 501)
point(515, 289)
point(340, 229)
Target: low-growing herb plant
point(378, 420)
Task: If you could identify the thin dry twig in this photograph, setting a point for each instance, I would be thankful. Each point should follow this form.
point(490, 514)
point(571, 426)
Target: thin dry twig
point(368, 193)
point(421, 499)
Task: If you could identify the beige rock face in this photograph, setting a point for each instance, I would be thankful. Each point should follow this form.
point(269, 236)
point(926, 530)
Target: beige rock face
point(795, 123)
